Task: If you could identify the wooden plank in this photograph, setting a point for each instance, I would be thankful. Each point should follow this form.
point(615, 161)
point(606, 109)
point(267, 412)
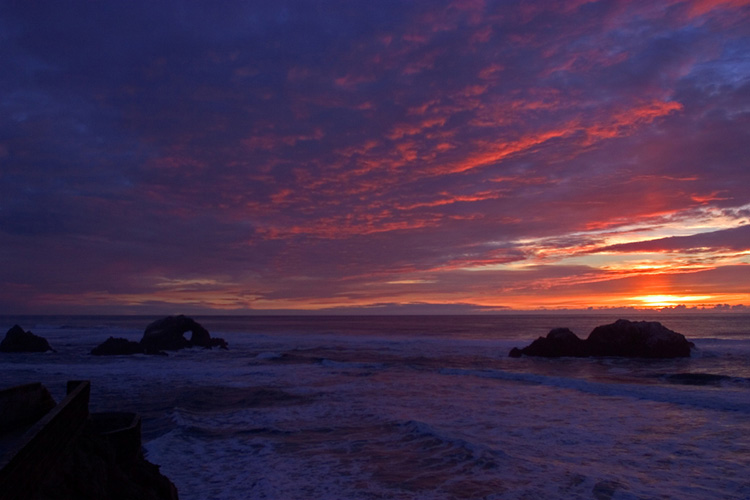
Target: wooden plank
point(40, 448)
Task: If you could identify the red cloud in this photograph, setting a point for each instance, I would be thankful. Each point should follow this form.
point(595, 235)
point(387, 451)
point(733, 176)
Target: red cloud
point(701, 7)
point(449, 200)
point(622, 121)
point(499, 151)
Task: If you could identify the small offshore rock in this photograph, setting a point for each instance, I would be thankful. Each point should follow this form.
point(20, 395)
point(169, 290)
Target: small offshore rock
point(515, 353)
point(117, 346)
point(18, 340)
point(559, 342)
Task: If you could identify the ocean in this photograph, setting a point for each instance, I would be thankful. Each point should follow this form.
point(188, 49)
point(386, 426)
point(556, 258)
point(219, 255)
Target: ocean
point(419, 407)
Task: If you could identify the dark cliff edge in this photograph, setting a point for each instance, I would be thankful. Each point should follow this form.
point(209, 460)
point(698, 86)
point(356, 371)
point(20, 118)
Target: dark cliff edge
point(51, 452)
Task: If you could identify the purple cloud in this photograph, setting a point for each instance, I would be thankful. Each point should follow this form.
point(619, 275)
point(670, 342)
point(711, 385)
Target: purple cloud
point(305, 155)
point(735, 239)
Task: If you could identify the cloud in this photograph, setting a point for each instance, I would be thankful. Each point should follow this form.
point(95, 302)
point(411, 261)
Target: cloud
point(295, 155)
point(735, 239)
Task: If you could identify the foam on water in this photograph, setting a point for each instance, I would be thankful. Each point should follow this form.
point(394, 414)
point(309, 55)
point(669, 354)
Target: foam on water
point(500, 440)
point(318, 413)
point(725, 400)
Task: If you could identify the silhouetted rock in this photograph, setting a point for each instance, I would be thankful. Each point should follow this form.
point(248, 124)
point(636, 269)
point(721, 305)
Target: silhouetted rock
point(116, 346)
point(218, 342)
point(165, 334)
point(168, 334)
point(623, 338)
point(17, 340)
point(558, 342)
point(637, 339)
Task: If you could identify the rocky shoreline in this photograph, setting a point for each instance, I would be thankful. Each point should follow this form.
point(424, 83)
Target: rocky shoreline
point(52, 451)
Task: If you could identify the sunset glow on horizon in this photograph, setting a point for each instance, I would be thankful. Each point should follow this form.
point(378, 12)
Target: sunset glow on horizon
point(450, 156)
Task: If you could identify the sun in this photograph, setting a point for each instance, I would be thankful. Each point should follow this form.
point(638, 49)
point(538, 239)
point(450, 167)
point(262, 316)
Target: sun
point(669, 300)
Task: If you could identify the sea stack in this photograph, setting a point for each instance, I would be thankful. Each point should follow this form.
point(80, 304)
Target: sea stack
point(18, 340)
point(623, 338)
point(168, 334)
point(165, 334)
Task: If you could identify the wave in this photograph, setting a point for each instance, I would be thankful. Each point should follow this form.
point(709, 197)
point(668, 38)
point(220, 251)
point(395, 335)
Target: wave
point(706, 379)
point(363, 367)
point(734, 399)
point(453, 449)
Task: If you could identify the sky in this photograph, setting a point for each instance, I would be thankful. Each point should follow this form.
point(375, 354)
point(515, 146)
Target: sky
point(378, 157)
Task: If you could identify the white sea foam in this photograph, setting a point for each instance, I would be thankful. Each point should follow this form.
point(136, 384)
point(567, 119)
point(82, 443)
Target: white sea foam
point(322, 414)
point(725, 400)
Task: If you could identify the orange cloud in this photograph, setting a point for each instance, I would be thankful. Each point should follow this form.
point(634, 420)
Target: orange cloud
point(704, 199)
point(350, 81)
point(449, 200)
point(490, 72)
point(345, 226)
point(404, 129)
point(498, 152)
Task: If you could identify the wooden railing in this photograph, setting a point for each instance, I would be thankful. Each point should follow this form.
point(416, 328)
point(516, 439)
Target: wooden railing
point(40, 448)
point(22, 405)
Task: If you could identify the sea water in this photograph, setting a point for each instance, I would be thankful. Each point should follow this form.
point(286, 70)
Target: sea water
point(422, 407)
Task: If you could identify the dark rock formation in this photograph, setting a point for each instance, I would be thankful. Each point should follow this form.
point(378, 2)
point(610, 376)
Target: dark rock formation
point(168, 334)
point(558, 342)
point(17, 340)
point(218, 342)
point(92, 469)
point(637, 339)
point(623, 338)
point(56, 452)
point(116, 346)
point(515, 352)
